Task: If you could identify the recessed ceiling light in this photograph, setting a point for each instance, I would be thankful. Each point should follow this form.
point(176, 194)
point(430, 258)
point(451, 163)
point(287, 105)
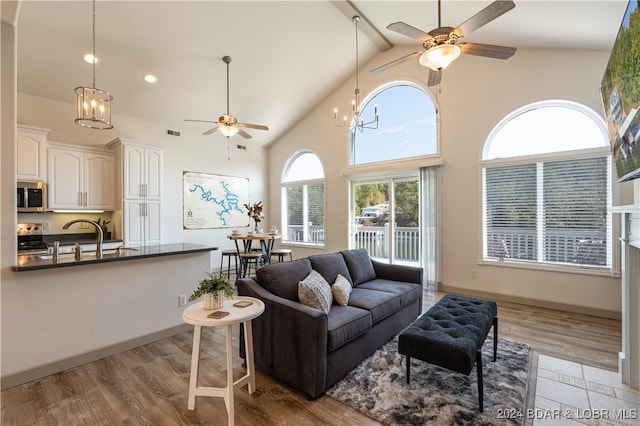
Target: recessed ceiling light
point(90, 58)
point(150, 78)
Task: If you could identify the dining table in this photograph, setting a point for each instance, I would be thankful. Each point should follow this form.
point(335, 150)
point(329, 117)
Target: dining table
point(244, 243)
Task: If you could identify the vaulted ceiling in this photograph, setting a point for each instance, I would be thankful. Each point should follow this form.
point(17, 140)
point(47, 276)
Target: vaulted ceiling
point(286, 55)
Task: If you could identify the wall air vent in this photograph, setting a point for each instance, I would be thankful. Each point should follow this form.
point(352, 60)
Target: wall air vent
point(242, 147)
point(173, 132)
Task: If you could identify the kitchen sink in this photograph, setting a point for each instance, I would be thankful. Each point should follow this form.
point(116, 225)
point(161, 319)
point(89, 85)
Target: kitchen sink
point(89, 255)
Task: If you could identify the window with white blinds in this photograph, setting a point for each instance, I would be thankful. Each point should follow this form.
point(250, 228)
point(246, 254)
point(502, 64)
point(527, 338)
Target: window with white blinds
point(549, 207)
point(303, 200)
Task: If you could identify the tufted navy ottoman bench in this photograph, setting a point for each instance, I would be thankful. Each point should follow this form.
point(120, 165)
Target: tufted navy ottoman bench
point(451, 334)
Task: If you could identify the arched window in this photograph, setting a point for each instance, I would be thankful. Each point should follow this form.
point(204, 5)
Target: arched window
point(303, 200)
point(546, 172)
point(407, 126)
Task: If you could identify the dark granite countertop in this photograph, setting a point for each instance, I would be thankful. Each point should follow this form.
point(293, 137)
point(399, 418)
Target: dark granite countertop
point(36, 262)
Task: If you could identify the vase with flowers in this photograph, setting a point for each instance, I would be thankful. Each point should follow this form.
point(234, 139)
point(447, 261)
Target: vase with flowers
point(255, 212)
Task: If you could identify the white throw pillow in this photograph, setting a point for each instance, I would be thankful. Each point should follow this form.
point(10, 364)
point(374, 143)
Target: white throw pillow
point(341, 290)
point(315, 291)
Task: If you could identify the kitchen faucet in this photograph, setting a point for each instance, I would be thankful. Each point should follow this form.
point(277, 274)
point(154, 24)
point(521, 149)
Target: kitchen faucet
point(100, 234)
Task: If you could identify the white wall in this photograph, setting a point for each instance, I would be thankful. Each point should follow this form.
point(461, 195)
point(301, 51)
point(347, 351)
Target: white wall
point(474, 95)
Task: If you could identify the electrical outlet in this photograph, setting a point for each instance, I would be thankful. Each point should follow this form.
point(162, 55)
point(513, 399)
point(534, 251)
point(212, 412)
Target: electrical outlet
point(473, 273)
point(182, 300)
point(47, 225)
point(84, 225)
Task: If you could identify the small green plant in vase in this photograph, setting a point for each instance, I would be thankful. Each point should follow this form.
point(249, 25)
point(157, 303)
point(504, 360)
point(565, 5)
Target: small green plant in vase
point(213, 288)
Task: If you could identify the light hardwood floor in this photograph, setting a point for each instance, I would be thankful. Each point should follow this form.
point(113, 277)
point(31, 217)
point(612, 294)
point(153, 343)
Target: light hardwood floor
point(149, 385)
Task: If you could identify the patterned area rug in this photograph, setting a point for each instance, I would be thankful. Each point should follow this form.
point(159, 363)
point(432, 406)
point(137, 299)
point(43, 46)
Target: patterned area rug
point(437, 396)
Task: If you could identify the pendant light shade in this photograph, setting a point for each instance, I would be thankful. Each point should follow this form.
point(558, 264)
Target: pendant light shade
point(93, 106)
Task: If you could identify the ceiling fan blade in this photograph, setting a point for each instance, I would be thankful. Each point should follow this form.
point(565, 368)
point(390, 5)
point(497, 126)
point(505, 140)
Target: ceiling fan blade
point(396, 62)
point(409, 31)
point(201, 121)
point(434, 78)
point(488, 50)
point(252, 126)
point(208, 132)
point(244, 134)
point(486, 15)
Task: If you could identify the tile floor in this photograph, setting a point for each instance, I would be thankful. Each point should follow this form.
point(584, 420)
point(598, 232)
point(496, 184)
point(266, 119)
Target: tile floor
point(568, 393)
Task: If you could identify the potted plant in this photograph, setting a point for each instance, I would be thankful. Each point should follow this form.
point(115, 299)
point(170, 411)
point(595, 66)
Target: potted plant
point(214, 288)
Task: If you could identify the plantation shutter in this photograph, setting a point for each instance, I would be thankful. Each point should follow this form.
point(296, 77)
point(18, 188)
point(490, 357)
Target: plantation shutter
point(552, 212)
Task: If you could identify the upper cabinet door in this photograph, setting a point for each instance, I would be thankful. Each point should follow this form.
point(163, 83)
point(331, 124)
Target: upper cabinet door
point(153, 174)
point(65, 179)
point(31, 154)
point(133, 179)
point(142, 172)
point(99, 181)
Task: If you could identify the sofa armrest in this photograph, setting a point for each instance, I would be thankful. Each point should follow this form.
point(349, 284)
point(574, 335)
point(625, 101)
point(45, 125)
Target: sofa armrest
point(289, 339)
point(394, 272)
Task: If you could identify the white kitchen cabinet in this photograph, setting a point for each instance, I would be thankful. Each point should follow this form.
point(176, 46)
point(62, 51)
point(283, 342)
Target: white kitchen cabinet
point(141, 223)
point(81, 178)
point(140, 168)
point(31, 153)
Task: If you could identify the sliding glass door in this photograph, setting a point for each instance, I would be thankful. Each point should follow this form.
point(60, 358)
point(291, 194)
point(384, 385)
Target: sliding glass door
point(386, 219)
point(395, 218)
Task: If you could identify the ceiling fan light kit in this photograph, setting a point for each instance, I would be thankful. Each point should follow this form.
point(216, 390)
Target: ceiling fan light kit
point(93, 106)
point(440, 45)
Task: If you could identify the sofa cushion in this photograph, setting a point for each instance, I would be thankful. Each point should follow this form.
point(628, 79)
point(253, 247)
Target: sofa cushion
point(330, 265)
point(408, 293)
point(345, 324)
point(315, 291)
point(341, 290)
point(360, 266)
point(381, 304)
point(282, 279)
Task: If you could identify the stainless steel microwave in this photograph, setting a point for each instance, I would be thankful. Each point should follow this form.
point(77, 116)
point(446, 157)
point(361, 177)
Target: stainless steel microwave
point(32, 197)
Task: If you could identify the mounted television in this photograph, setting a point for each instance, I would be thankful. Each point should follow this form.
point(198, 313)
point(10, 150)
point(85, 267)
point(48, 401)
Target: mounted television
point(620, 91)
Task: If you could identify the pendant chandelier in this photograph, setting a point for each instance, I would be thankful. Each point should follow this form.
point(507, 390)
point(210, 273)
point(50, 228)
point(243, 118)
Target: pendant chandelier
point(357, 122)
point(93, 106)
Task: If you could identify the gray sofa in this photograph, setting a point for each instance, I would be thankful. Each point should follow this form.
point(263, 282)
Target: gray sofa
point(310, 350)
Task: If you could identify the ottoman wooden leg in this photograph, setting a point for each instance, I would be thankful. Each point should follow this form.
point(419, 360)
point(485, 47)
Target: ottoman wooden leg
point(408, 358)
point(495, 337)
point(480, 387)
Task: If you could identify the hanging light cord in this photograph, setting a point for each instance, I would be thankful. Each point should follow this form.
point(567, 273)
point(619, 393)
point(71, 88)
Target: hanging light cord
point(94, 59)
point(356, 19)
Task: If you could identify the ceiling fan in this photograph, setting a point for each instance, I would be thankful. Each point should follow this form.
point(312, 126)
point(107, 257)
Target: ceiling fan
point(441, 45)
point(227, 124)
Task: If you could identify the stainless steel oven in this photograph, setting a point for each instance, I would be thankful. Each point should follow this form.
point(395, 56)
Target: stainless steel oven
point(32, 197)
point(30, 239)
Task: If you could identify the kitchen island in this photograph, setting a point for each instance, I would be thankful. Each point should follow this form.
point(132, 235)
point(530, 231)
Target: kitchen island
point(40, 261)
point(64, 315)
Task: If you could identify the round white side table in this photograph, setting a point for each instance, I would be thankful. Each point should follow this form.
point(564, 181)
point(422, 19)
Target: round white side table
point(197, 316)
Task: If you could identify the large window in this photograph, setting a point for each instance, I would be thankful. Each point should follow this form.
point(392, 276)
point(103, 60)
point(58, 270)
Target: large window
point(303, 200)
point(546, 188)
point(407, 126)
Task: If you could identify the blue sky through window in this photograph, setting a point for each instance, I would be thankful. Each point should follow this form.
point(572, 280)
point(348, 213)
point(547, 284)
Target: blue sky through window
point(407, 126)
